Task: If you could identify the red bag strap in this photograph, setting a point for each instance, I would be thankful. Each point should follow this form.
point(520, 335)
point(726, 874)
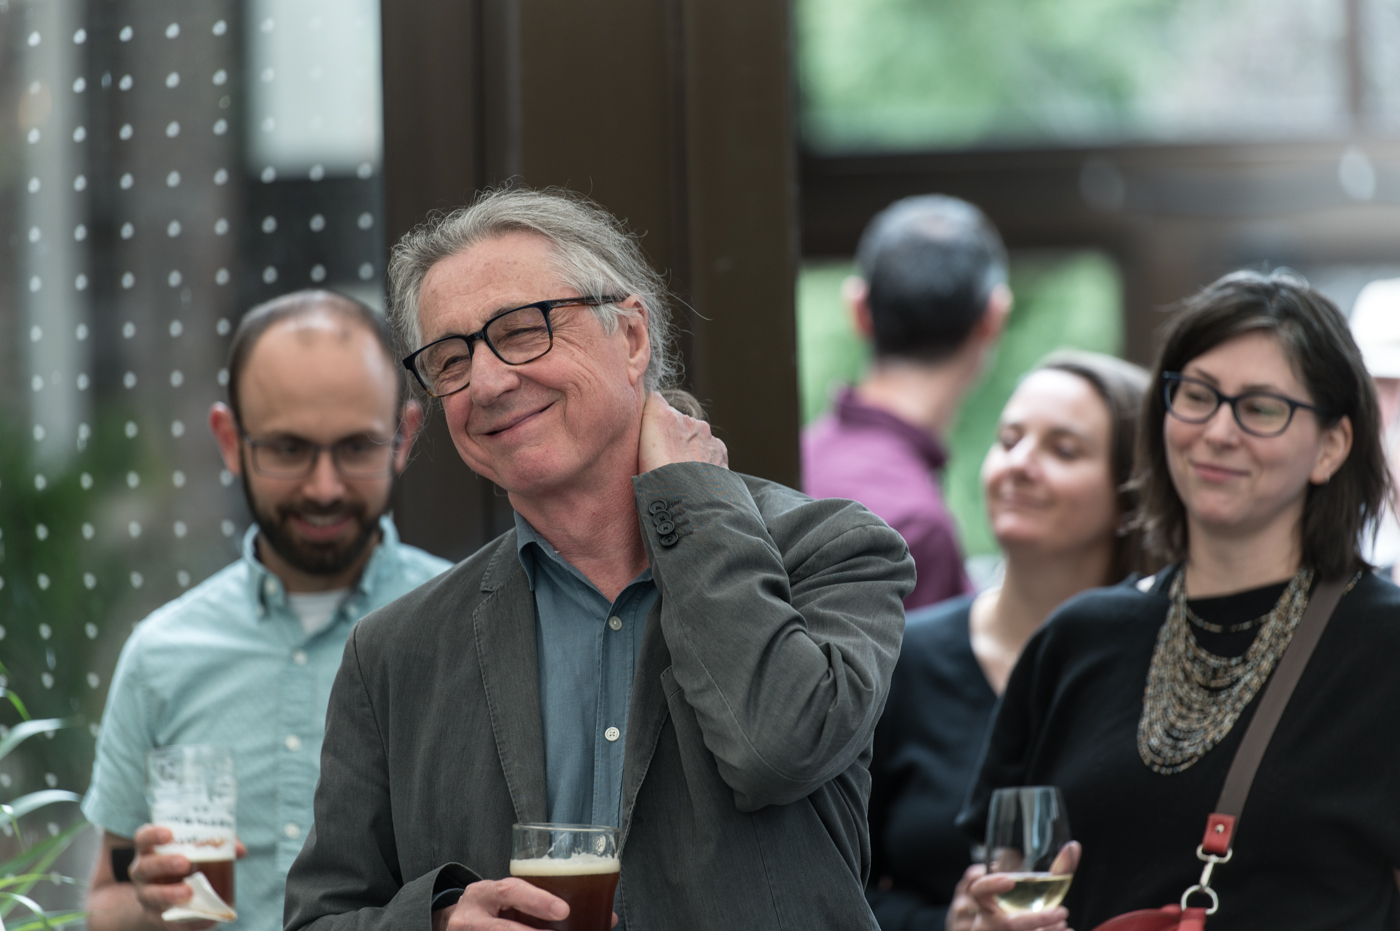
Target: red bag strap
point(1220, 826)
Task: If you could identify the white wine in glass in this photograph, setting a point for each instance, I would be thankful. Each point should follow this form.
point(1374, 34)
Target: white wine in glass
point(1028, 841)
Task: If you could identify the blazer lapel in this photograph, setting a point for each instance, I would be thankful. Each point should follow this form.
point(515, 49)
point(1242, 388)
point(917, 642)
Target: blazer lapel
point(504, 624)
point(646, 715)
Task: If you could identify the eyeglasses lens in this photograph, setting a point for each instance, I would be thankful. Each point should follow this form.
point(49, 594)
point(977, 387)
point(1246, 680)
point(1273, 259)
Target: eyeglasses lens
point(290, 457)
point(520, 335)
point(1192, 401)
point(1262, 414)
point(446, 366)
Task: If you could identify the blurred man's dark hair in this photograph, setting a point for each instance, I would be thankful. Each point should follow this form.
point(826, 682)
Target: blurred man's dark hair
point(931, 297)
point(931, 263)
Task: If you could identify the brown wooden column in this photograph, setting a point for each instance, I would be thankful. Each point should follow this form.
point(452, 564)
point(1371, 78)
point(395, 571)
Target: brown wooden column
point(673, 114)
point(435, 159)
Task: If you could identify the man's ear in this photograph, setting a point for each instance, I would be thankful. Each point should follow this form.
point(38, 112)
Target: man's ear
point(856, 294)
point(993, 322)
point(410, 422)
point(224, 426)
point(636, 326)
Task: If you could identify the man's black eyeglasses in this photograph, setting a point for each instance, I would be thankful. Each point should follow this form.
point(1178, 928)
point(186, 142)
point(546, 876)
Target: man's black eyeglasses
point(292, 457)
point(1259, 413)
point(515, 336)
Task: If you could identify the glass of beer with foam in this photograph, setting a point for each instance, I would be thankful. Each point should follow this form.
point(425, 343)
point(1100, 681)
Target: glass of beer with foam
point(192, 792)
point(576, 862)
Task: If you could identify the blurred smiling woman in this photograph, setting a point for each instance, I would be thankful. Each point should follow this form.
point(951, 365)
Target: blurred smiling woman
point(1054, 486)
point(1260, 468)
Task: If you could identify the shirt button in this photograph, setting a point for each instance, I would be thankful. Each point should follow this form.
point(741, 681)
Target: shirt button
point(291, 830)
point(299, 657)
point(612, 733)
point(615, 623)
point(270, 587)
point(293, 742)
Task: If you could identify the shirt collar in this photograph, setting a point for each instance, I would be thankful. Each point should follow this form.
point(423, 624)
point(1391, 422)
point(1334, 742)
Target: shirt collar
point(267, 591)
point(851, 411)
point(529, 545)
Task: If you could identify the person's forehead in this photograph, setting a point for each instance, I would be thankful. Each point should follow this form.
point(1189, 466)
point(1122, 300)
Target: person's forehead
point(318, 370)
point(462, 291)
point(1256, 360)
point(1058, 401)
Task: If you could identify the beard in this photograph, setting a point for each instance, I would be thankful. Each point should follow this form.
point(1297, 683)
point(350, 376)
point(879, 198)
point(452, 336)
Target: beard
point(313, 558)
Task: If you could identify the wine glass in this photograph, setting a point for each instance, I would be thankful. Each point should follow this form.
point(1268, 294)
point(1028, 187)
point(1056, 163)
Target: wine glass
point(1028, 841)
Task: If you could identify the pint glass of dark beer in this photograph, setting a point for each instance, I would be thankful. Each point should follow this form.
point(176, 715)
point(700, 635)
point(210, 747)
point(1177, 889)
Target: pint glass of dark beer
point(192, 792)
point(576, 862)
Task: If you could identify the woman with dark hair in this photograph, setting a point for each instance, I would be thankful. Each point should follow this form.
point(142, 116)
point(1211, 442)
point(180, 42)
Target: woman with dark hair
point(1055, 486)
point(1260, 467)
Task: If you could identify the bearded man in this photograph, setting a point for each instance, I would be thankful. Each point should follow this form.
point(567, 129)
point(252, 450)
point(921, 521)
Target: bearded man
point(317, 428)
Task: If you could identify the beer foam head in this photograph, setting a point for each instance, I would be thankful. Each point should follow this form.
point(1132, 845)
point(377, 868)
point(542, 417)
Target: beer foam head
point(580, 864)
point(204, 845)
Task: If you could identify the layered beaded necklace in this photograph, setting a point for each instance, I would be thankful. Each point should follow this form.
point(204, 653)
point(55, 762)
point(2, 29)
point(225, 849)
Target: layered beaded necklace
point(1193, 697)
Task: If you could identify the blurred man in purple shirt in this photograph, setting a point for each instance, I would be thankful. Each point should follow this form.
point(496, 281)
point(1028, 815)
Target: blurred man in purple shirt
point(932, 298)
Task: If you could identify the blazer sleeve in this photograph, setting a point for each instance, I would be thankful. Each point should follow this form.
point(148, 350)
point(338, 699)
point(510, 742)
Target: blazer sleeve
point(347, 875)
point(783, 624)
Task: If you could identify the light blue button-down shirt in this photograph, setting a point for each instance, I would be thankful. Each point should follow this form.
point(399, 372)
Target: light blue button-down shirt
point(587, 651)
point(228, 664)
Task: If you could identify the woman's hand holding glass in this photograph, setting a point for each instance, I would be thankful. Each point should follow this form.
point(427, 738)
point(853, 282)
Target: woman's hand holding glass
point(1030, 862)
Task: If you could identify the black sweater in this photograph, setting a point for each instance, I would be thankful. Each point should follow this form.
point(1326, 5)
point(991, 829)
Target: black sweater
point(1319, 838)
point(927, 746)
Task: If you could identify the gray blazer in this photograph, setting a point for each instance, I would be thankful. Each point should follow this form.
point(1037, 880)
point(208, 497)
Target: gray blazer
point(763, 670)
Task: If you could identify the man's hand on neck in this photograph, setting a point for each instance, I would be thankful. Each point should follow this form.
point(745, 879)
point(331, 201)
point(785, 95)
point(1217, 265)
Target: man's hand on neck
point(668, 436)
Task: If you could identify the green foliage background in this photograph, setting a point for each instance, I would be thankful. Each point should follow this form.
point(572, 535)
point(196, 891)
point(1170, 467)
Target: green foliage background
point(902, 73)
point(1062, 301)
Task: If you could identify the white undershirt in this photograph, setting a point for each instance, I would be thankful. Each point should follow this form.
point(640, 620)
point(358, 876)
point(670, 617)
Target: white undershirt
point(314, 609)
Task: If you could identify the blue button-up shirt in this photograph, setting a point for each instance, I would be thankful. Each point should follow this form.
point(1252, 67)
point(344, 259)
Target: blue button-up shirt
point(228, 664)
point(587, 651)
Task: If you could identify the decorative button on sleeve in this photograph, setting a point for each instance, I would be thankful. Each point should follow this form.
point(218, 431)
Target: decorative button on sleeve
point(663, 523)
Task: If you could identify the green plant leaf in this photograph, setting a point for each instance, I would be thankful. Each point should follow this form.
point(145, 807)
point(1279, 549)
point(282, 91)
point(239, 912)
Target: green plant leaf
point(32, 802)
point(27, 902)
point(14, 699)
point(32, 878)
point(35, 800)
point(55, 920)
point(22, 732)
point(41, 856)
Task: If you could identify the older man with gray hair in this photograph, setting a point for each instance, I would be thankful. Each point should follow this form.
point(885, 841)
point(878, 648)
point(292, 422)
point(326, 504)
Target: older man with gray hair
point(694, 657)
